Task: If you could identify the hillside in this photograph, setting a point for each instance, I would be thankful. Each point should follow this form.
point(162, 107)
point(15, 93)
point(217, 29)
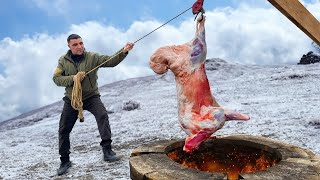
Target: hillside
point(283, 102)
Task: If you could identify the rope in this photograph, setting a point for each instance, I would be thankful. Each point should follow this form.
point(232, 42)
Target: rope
point(138, 40)
point(163, 25)
point(76, 98)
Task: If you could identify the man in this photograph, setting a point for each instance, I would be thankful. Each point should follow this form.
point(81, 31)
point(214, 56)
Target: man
point(75, 60)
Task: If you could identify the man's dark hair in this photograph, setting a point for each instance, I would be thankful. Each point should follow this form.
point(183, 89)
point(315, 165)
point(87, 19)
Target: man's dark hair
point(73, 36)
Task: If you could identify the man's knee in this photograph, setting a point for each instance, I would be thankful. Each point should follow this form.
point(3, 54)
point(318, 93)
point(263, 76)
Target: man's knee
point(102, 116)
point(65, 129)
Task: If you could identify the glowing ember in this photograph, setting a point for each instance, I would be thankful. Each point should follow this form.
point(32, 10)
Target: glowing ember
point(228, 158)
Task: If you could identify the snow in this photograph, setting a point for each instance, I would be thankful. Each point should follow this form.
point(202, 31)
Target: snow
point(281, 100)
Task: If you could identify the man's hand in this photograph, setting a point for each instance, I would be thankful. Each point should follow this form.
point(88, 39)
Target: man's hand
point(127, 47)
point(79, 75)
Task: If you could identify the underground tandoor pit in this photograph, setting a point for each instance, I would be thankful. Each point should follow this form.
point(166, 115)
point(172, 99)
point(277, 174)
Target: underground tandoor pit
point(228, 157)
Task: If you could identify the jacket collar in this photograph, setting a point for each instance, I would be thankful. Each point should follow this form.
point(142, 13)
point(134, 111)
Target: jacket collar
point(68, 55)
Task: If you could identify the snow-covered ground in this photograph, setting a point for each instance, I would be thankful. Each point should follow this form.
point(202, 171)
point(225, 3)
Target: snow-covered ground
point(283, 102)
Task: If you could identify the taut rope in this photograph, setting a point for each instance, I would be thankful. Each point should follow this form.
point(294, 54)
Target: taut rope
point(76, 98)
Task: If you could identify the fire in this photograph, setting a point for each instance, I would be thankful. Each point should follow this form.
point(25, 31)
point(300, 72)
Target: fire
point(231, 160)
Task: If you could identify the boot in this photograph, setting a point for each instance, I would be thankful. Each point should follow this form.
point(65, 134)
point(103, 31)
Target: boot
point(109, 155)
point(64, 166)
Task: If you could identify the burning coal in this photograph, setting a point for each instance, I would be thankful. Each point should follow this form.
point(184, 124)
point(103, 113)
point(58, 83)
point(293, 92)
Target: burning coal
point(228, 158)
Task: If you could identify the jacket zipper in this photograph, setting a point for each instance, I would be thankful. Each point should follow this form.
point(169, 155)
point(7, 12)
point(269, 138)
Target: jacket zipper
point(76, 67)
point(89, 76)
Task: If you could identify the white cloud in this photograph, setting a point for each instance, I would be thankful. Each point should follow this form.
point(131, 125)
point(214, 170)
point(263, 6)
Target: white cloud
point(249, 35)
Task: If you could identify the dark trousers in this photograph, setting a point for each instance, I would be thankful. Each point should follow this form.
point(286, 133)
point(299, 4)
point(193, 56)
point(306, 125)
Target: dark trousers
point(69, 117)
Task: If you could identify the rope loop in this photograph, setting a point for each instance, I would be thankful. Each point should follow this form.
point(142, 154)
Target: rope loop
point(76, 97)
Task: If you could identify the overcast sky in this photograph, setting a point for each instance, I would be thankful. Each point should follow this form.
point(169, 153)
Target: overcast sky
point(33, 37)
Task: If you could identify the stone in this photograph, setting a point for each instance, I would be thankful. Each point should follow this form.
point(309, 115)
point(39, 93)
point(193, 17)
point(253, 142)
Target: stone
point(150, 161)
point(309, 58)
point(130, 105)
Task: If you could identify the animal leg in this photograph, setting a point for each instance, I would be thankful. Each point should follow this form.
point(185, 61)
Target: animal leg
point(193, 142)
point(233, 115)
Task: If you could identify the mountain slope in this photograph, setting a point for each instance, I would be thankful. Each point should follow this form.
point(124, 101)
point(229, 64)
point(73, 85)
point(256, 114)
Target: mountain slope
point(281, 100)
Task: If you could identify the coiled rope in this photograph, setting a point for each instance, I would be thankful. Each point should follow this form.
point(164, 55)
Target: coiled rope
point(76, 97)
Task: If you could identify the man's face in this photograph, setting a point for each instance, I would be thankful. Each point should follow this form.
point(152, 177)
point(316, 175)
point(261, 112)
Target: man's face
point(76, 46)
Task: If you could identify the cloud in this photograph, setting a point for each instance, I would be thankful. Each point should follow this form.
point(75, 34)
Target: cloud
point(247, 34)
point(254, 36)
